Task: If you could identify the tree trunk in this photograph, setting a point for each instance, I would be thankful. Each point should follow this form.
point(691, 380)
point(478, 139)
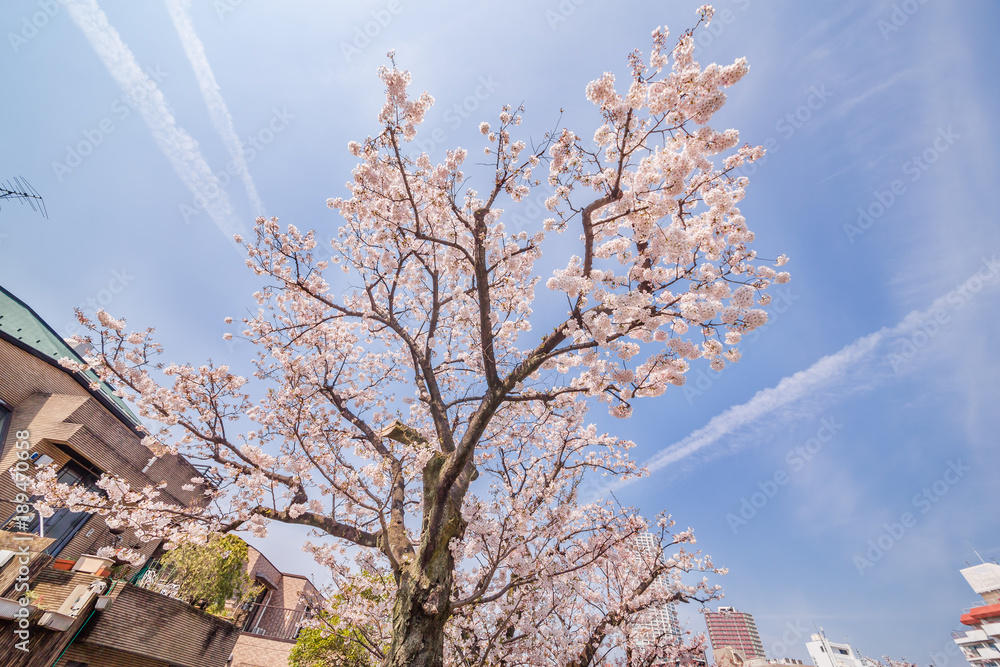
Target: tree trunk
point(423, 597)
point(418, 619)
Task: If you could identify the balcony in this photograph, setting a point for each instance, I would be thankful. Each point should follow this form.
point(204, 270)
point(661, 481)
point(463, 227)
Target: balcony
point(158, 578)
point(259, 619)
point(969, 637)
point(274, 622)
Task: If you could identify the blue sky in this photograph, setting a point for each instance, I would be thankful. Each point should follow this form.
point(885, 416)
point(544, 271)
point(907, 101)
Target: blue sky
point(869, 399)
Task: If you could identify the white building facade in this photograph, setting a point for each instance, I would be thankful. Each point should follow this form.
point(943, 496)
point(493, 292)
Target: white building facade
point(825, 653)
point(980, 643)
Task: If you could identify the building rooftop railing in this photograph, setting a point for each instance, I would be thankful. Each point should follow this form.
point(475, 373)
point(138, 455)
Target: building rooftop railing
point(257, 618)
point(275, 622)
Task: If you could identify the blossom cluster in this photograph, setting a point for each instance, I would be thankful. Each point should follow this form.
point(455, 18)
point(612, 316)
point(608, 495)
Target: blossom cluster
point(408, 399)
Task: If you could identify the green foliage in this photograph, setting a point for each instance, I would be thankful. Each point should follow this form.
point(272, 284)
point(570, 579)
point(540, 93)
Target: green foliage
point(210, 575)
point(312, 649)
point(333, 645)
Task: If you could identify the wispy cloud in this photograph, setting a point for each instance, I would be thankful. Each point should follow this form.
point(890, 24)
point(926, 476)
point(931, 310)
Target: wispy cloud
point(823, 373)
point(860, 366)
point(180, 149)
point(222, 120)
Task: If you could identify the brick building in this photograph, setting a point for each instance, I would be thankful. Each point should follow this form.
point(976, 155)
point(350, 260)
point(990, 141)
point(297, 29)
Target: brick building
point(83, 617)
point(735, 629)
point(270, 623)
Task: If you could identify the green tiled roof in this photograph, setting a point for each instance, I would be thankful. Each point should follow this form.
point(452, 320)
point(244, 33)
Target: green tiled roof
point(21, 323)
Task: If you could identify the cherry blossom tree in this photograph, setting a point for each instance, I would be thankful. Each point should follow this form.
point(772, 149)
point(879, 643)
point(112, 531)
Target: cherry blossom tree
point(428, 419)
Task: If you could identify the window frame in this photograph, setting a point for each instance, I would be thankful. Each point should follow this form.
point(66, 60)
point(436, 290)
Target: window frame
point(6, 417)
point(91, 474)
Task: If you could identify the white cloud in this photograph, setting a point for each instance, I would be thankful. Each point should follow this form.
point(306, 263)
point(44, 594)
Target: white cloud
point(210, 92)
point(180, 149)
point(858, 366)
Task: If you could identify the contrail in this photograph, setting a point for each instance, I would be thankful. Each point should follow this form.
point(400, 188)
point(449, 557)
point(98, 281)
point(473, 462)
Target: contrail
point(221, 118)
point(176, 144)
point(789, 389)
point(858, 358)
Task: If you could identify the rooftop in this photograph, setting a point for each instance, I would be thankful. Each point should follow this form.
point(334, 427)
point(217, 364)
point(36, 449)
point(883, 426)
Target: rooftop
point(22, 326)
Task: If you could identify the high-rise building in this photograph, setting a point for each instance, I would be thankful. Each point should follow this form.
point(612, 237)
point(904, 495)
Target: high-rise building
point(660, 620)
point(825, 653)
point(981, 642)
point(735, 629)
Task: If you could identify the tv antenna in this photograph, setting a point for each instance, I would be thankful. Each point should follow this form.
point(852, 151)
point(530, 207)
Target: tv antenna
point(18, 188)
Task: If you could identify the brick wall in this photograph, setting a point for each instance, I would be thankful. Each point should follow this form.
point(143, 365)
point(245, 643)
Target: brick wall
point(54, 408)
point(292, 591)
point(22, 374)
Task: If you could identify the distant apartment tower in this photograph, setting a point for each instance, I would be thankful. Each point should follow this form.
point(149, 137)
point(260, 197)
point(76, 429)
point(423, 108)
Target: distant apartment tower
point(825, 653)
point(735, 629)
point(660, 620)
point(981, 642)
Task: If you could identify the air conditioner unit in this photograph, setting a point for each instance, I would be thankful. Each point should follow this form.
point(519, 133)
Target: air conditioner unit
point(40, 460)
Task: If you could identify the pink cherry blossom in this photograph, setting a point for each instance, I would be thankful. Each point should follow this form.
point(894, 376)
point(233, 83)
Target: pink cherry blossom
point(410, 405)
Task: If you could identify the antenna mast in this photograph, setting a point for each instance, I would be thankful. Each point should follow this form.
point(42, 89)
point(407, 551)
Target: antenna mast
point(18, 188)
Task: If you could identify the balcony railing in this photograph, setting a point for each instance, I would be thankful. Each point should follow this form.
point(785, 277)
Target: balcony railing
point(259, 619)
point(274, 622)
point(157, 577)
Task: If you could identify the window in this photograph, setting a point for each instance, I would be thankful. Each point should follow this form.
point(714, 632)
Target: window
point(4, 424)
point(255, 608)
point(63, 524)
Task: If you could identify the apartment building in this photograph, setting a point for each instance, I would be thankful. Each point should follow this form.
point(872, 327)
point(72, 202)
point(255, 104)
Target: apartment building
point(980, 642)
point(82, 614)
point(728, 627)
